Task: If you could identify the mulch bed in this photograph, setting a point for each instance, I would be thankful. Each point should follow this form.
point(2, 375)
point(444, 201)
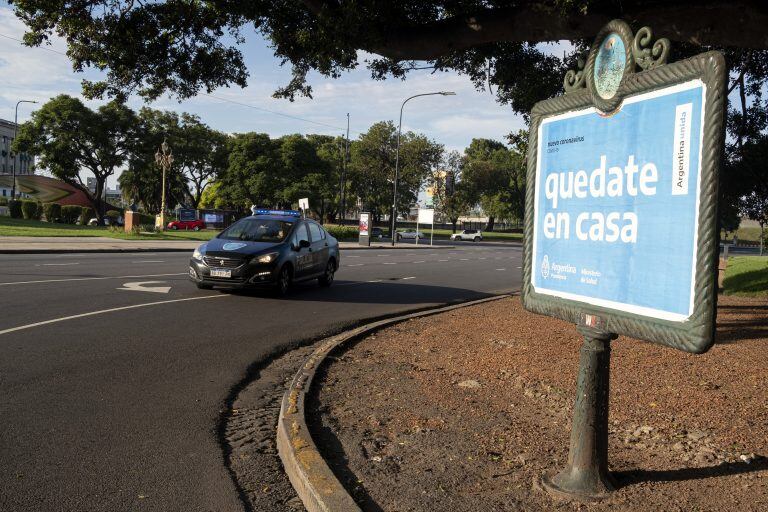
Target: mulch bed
point(464, 411)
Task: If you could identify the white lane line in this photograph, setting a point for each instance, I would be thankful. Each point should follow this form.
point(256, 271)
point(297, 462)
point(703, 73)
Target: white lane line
point(501, 269)
point(375, 281)
point(442, 260)
point(463, 259)
point(389, 263)
point(55, 264)
point(89, 279)
point(351, 256)
point(519, 267)
point(149, 261)
point(406, 278)
point(382, 255)
point(104, 311)
point(420, 261)
point(482, 258)
point(355, 265)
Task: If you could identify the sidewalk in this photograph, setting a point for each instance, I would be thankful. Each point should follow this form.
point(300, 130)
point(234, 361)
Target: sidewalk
point(75, 244)
point(463, 411)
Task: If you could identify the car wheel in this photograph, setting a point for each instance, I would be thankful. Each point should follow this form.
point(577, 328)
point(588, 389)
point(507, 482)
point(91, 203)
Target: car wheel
point(283, 281)
point(477, 239)
point(196, 228)
point(204, 286)
point(174, 227)
point(327, 278)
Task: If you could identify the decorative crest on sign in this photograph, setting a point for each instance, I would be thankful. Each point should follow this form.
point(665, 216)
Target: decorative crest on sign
point(575, 79)
point(649, 56)
point(602, 73)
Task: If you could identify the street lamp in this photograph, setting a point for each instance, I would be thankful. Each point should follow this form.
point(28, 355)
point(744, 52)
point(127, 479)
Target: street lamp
point(163, 158)
point(397, 157)
point(15, 134)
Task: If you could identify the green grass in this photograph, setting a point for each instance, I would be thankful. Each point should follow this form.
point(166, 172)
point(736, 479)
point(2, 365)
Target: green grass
point(21, 227)
point(746, 276)
point(745, 234)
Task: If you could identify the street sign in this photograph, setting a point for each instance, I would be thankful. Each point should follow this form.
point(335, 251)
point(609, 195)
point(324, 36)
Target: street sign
point(621, 220)
point(426, 216)
point(364, 226)
point(620, 225)
point(304, 203)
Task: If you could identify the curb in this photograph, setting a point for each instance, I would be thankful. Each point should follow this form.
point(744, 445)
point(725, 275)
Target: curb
point(313, 480)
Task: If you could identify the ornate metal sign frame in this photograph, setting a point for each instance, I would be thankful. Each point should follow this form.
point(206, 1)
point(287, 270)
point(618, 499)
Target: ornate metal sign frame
point(697, 333)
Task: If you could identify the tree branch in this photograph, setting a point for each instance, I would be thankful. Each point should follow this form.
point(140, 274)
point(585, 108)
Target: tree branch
point(738, 23)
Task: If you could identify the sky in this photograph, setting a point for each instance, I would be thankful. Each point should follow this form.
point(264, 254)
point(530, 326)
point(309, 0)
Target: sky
point(38, 74)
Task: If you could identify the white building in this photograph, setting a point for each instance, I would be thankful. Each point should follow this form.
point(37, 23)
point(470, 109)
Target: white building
point(23, 163)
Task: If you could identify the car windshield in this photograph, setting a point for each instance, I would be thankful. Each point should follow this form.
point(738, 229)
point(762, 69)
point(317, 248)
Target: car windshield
point(257, 230)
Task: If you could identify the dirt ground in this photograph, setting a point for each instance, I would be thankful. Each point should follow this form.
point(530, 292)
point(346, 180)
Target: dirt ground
point(464, 411)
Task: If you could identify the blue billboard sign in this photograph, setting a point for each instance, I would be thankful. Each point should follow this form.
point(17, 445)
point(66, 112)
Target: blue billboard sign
point(616, 205)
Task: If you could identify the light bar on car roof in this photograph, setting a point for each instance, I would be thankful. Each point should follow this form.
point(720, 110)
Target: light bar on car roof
point(290, 213)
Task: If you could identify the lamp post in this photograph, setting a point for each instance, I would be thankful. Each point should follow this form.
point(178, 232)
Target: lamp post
point(163, 158)
point(15, 134)
point(397, 158)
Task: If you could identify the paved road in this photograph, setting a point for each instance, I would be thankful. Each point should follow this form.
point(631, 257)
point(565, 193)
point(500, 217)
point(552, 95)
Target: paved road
point(111, 397)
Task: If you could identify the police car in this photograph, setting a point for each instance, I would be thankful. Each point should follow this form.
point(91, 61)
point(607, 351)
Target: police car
point(273, 248)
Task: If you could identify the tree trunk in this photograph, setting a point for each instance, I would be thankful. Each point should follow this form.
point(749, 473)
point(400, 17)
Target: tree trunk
point(491, 222)
point(453, 223)
point(98, 200)
point(762, 237)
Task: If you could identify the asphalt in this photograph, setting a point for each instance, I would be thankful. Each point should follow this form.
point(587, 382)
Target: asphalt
point(112, 397)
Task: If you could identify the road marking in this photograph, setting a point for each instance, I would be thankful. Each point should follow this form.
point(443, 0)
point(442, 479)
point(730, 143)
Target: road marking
point(104, 311)
point(420, 261)
point(463, 259)
point(501, 269)
point(389, 263)
point(55, 264)
point(519, 267)
point(89, 279)
point(482, 258)
point(149, 261)
point(140, 286)
point(355, 265)
point(375, 281)
point(442, 260)
point(412, 277)
point(351, 256)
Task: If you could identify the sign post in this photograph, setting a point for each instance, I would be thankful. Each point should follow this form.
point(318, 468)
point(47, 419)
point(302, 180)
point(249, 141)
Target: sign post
point(621, 228)
point(364, 237)
point(304, 206)
point(426, 216)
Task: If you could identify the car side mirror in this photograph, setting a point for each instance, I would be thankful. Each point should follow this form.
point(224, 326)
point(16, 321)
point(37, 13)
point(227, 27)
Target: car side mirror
point(303, 244)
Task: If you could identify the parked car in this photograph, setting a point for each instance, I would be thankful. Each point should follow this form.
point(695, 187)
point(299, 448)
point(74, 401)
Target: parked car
point(107, 221)
point(377, 233)
point(409, 234)
point(194, 225)
point(473, 235)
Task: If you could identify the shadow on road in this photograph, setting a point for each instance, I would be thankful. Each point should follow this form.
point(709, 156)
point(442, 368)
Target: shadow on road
point(394, 291)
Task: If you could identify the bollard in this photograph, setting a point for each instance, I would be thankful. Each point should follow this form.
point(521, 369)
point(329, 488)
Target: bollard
point(586, 477)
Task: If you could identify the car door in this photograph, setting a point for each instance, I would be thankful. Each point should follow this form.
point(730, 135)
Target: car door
point(303, 262)
point(319, 246)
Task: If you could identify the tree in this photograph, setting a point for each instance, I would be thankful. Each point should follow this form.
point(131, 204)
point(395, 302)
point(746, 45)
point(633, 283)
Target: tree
point(185, 47)
point(253, 173)
point(755, 206)
point(200, 152)
point(372, 167)
point(68, 138)
point(450, 199)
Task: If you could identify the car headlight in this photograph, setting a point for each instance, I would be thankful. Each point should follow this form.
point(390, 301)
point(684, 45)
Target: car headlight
point(267, 258)
point(198, 254)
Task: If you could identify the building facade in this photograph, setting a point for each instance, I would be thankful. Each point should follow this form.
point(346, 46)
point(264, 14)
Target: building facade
point(23, 163)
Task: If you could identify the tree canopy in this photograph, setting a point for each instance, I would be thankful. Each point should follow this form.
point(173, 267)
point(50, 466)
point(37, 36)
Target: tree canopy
point(184, 47)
